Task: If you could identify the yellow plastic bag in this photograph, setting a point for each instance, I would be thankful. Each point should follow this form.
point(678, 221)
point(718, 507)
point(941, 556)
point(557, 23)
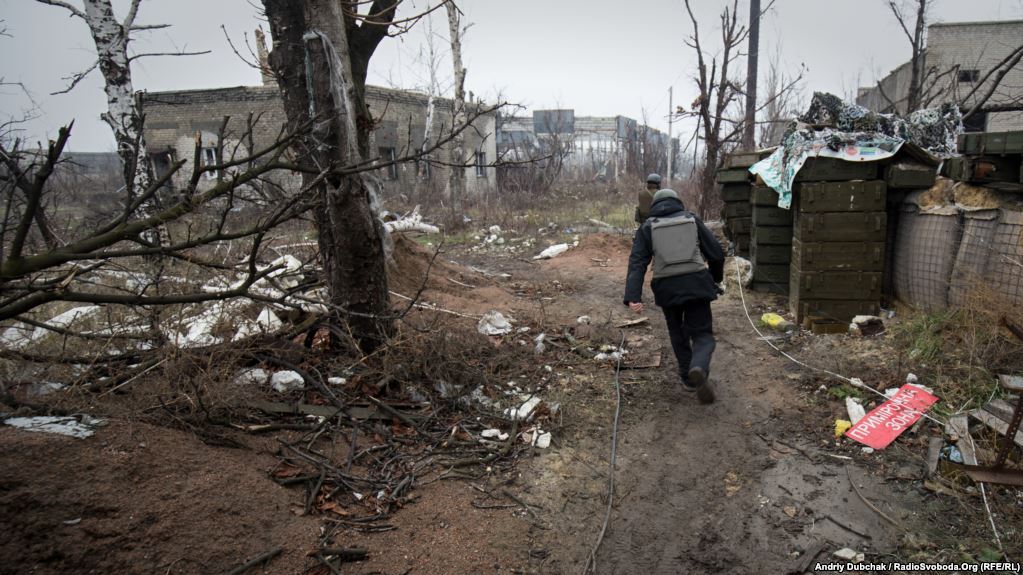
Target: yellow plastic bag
point(841, 426)
point(775, 321)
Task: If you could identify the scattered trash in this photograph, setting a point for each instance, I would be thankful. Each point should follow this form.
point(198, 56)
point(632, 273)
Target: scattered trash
point(952, 453)
point(610, 353)
point(551, 252)
point(74, 521)
point(285, 381)
point(539, 347)
point(746, 271)
point(856, 411)
point(337, 380)
point(525, 410)
point(887, 421)
point(866, 326)
point(777, 322)
point(44, 388)
point(847, 554)
point(911, 378)
point(841, 426)
point(790, 511)
point(537, 438)
point(68, 426)
point(583, 320)
point(494, 434)
point(632, 323)
point(543, 441)
point(412, 222)
point(867, 450)
point(253, 376)
point(493, 323)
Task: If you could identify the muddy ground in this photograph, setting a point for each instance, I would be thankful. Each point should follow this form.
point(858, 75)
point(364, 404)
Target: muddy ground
point(754, 483)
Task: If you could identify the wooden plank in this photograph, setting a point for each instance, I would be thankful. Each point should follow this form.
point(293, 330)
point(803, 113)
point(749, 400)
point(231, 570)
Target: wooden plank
point(838, 310)
point(1000, 409)
point(742, 159)
point(997, 424)
point(1011, 382)
point(959, 426)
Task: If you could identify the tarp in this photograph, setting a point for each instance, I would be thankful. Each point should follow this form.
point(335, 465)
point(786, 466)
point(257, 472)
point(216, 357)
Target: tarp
point(832, 128)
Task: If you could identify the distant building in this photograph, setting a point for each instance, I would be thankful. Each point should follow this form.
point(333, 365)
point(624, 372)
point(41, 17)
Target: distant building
point(175, 119)
point(967, 51)
point(593, 147)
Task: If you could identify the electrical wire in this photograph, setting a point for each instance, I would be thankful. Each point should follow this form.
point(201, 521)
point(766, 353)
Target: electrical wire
point(591, 562)
point(851, 381)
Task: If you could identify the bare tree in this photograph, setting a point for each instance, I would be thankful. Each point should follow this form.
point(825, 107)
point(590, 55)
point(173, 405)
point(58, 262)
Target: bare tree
point(112, 38)
point(930, 84)
point(780, 104)
point(752, 71)
point(456, 181)
point(717, 92)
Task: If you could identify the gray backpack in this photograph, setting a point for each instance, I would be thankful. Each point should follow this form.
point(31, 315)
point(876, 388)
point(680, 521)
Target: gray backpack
point(676, 246)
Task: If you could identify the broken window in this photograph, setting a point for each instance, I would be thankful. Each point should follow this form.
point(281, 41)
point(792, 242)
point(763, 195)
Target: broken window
point(969, 76)
point(209, 158)
point(390, 170)
point(481, 164)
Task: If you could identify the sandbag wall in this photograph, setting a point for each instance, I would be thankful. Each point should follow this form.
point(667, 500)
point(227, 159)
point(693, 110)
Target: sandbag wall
point(962, 239)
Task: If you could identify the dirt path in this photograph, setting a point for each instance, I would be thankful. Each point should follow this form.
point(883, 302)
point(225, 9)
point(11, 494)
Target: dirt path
point(740, 486)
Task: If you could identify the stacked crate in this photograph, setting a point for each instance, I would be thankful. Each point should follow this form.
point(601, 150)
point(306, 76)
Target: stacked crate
point(771, 242)
point(989, 159)
point(838, 246)
point(734, 179)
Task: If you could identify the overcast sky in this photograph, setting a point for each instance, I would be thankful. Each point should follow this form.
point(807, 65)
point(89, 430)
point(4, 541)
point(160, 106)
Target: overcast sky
point(589, 55)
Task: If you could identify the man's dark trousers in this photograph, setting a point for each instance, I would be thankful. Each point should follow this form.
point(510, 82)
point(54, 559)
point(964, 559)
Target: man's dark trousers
point(691, 322)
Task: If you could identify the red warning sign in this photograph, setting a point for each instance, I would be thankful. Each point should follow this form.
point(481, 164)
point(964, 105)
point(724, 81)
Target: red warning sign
point(887, 421)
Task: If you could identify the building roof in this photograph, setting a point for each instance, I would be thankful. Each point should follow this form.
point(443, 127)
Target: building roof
point(978, 23)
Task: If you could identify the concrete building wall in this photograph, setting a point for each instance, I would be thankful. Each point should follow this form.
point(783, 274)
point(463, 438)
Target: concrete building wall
point(173, 119)
point(975, 48)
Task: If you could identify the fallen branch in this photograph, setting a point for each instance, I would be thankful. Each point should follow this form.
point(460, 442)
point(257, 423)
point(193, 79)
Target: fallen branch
point(872, 507)
point(265, 557)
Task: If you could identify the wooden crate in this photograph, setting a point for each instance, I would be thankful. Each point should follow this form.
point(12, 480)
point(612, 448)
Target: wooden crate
point(836, 310)
point(735, 192)
point(991, 143)
point(771, 254)
point(835, 170)
point(838, 256)
point(841, 196)
point(742, 159)
point(763, 196)
point(738, 209)
point(765, 216)
point(771, 273)
point(840, 227)
point(910, 176)
point(844, 285)
point(740, 225)
point(736, 176)
point(773, 235)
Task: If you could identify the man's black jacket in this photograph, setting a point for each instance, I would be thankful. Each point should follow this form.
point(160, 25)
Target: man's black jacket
point(675, 290)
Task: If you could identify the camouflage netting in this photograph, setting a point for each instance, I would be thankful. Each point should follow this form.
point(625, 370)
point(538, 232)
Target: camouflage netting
point(836, 129)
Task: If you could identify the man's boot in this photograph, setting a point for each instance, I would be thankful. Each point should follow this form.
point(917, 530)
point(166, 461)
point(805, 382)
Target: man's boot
point(704, 390)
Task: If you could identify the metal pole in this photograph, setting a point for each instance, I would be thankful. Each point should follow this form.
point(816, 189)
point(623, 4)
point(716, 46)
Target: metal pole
point(749, 131)
point(671, 149)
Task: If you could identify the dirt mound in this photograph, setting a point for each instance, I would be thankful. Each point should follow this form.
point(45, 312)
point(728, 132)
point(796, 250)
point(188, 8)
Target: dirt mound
point(411, 263)
point(140, 499)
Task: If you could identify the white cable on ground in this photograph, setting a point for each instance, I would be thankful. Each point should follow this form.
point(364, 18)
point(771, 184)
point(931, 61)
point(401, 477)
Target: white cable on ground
point(987, 507)
point(592, 560)
point(851, 381)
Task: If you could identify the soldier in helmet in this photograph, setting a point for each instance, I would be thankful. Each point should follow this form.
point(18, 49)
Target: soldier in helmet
point(688, 264)
point(645, 197)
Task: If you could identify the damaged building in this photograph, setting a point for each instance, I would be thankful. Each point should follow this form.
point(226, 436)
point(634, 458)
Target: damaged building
point(958, 62)
point(256, 118)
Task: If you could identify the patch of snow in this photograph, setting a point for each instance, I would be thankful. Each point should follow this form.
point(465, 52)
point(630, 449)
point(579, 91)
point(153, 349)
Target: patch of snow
point(285, 381)
point(68, 426)
point(551, 252)
point(254, 376)
point(493, 323)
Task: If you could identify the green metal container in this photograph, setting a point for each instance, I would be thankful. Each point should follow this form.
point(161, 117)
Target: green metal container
point(763, 196)
point(910, 176)
point(742, 159)
point(771, 254)
point(991, 143)
point(740, 225)
point(735, 176)
point(738, 209)
point(836, 310)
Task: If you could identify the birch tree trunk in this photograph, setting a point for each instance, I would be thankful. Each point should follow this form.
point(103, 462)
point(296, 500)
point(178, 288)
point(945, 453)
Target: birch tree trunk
point(456, 178)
